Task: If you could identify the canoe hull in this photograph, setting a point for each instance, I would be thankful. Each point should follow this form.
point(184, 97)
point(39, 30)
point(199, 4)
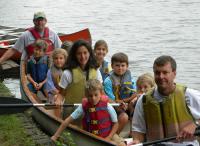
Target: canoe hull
point(48, 121)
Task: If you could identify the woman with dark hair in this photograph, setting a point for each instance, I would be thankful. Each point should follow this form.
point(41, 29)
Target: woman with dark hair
point(81, 66)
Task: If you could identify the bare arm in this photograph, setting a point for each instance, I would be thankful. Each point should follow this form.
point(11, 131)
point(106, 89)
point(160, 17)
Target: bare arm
point(137, 137)
point(113, 131)
point(187, 133)
point(62, 127)
point(8, 54)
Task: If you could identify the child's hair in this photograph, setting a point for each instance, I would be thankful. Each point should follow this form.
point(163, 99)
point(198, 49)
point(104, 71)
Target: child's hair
point(147, 77)
point(41, 44)
point(67, 45)
point(59, 51)
point(72, 61)
point(93, 85)
point(119, 57)
point(99, 43)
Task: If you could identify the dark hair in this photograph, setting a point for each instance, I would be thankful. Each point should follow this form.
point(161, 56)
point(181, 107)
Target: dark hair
point(119, 57)
point(163, 60)
point(72, 61)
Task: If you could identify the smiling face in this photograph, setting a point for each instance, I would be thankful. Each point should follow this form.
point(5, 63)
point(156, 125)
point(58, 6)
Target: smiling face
point(82, 56)
point(59, 60)
point(164, 78)
point(143, 87)
point(100, 52)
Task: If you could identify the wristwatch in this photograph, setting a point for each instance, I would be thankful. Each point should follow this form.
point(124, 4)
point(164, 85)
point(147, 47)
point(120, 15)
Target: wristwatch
point(197, 123)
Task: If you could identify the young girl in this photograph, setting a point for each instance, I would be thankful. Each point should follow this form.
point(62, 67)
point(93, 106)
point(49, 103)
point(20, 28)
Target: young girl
point(100, 50)
point(37, 68)
point(144, 83)
point(95, 99)
point(81, 66)
point(59, 57)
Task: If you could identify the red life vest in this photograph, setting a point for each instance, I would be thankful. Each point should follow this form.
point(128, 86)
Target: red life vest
point(37, 36)
point(97, 119)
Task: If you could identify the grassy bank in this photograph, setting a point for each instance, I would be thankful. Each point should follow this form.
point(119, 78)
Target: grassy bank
point(12, 132)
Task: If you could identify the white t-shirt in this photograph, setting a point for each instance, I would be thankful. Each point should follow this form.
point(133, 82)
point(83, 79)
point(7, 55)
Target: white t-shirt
point(192, 98)
point(66, 78)
point(27, 38)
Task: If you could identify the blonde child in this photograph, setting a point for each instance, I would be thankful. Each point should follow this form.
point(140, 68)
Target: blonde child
point(100, 51)
point(37, 67)
point(144, 83)
point(95, 99)
point(59, 57)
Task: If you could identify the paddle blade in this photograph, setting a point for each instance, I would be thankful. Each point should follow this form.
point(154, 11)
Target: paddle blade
point(7, 105)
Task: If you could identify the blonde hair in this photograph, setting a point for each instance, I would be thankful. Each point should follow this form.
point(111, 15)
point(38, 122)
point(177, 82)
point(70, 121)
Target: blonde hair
point(59, 51)
point(93, 85)
point(147, 77)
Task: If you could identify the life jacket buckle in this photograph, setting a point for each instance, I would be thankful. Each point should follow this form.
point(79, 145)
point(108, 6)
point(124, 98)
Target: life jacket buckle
point(94, 122)
point(92, 109)
point(96, 132)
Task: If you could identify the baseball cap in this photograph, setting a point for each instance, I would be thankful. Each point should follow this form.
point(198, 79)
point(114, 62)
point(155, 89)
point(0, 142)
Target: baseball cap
point(39, 15)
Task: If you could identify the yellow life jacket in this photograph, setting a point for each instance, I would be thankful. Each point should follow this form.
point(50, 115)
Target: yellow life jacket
point(167, 118)
point(76, 90)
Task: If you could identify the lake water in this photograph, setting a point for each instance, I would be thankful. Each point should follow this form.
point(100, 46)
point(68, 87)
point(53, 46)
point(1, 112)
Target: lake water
point(143, 29)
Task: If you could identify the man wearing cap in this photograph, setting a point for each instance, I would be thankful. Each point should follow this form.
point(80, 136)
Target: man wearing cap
point(25, 41)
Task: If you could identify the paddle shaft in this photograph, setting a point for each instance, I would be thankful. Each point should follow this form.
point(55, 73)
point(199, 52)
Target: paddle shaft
point(24, 105)
point(197, 133)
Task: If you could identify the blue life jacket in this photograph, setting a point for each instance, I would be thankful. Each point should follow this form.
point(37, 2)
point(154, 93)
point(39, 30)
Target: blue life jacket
point(104, 70)
point(123, 88)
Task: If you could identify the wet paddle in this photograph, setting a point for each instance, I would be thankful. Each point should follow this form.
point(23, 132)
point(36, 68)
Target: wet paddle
point(10, 105)
point(197, 133)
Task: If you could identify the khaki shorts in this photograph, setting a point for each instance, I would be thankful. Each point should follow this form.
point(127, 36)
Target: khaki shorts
point(117, 139)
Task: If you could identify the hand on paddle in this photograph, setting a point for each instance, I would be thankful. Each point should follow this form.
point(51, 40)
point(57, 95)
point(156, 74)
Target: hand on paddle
point(123, 105)
point(187, 132)
point(58, 99)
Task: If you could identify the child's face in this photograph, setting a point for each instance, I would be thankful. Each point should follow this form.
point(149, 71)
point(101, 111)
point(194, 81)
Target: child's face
point(143, 87)
point(82, 55)
point(119, 68)
point(94, 96)
point(59, 60)
point(38, 52)
point(100, 52)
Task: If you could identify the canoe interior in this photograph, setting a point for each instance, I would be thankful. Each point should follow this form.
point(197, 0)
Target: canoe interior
point(50, 122)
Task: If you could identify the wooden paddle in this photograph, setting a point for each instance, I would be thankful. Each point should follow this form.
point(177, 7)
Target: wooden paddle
point(197, 133)
point(10, 105)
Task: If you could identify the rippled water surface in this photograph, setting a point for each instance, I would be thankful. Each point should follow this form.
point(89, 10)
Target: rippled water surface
point(144, 29)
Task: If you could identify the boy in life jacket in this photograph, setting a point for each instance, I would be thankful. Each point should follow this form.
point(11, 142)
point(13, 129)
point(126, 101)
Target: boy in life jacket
point(37, 68)
point(120, 87)
point(99, 117)
point(54, 74)
point(100, 51)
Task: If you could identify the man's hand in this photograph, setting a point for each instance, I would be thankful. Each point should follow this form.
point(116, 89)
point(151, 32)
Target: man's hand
point(187, 132)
